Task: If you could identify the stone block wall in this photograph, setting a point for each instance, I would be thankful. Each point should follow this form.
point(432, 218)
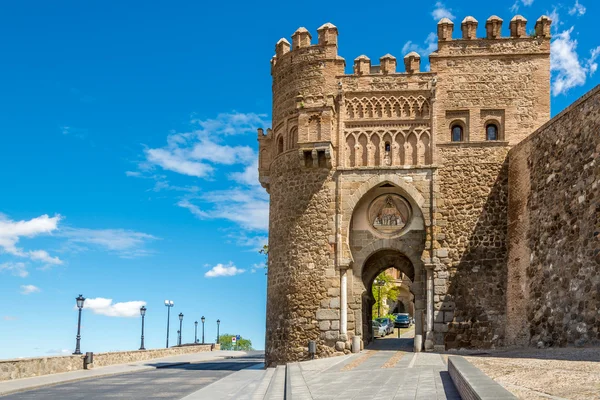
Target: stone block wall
point(470, 280)
point(301, 304)
point(30, 367)
point(555, 229)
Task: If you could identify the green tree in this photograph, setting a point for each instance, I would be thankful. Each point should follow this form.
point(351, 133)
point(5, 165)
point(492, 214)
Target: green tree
point(242, 344)
point(387, 291)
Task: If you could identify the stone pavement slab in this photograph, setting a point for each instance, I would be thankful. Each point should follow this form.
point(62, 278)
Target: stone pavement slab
point(18, 385)
point(368, 375)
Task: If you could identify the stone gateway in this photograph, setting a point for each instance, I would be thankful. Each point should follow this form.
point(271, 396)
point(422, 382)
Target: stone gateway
point(409, 170)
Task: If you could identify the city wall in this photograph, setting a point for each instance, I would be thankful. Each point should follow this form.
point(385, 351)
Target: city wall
point(30, 367)
point(554, 231)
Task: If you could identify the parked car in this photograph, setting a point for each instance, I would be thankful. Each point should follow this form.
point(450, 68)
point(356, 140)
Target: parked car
point(388, 323)
point(412, 320)
point(402, 321)
point(379, 330)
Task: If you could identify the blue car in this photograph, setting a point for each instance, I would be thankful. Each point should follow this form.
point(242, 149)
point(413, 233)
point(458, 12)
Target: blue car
point(402, 321)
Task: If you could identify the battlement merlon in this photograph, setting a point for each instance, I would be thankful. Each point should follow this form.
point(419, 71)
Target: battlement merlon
point(518, 43)
point(301, 39)
point(262, 136)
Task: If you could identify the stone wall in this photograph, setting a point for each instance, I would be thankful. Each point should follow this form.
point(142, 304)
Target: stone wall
point(30, 367)
point(301, 274)
point(470, 283)
point(555, 229)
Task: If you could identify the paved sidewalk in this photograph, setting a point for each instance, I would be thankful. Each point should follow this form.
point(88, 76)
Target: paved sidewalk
point(18, 385)
point(375, 373)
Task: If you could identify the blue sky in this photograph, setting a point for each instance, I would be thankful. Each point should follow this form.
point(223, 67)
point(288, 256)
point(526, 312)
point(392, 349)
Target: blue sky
point(128, 153)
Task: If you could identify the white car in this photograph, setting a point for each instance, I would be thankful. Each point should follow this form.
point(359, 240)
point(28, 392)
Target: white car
point(379, 330)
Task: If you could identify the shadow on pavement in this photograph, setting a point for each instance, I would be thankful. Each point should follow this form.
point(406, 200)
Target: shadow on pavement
point(224, 365)
point(393, 344)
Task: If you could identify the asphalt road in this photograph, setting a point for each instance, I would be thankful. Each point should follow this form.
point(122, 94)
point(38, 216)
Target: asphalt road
point(170, 383)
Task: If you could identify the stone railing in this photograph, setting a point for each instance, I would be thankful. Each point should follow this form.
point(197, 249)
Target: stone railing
point(29, 367)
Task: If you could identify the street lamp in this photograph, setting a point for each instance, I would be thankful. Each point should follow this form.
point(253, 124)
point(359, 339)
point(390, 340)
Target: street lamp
point(80, 301)
point(203, 319)
point(180, 323)
point(142, 313)
point(195, 331)
point(218, 323)
point(379, 283)
point(168, 304)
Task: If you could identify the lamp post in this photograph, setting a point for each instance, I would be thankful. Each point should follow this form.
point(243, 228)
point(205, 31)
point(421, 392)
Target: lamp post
point(168, 304)
point(196, 332)
point(80, 301)
point(142, 313)
point(180, 326)
point(379, 283)
point(218, 323)
point(203, 319)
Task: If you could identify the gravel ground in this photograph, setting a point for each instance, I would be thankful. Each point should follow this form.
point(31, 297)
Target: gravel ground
point(532, 374)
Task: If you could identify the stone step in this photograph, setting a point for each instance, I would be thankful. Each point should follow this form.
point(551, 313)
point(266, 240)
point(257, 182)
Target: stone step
point(276, 389)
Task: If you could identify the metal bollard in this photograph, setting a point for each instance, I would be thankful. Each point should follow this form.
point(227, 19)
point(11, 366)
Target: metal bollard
point(312, 349)
point(88, 361)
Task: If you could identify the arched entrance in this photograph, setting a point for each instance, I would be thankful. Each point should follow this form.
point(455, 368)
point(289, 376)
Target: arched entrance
point(387, 230)
point(374, 265)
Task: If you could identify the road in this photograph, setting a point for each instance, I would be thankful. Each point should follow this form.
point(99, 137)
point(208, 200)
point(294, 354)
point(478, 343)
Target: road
point(172, 383)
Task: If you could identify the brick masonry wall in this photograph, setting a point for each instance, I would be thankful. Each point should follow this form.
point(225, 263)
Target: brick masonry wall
point(472, 206)
point(558, 210)
point(30, 367)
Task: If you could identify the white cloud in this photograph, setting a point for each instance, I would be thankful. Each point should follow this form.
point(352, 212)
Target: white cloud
point(517, 4)
point(133, 173)
point(567, 70)
point(165, 185)
point(591, 62)
point(59, 352)
point(249, 208)
point(126, 243)
point(28, 289)
point(195, 153)
point(9, 318)
point(15, 268)
point(223, 270)
point(430, 46)
point(578, 9)
point(12, 231)
point(43, 256)
point(106, 307)
point(231, 123)
point(440, 11)
point(249, 176)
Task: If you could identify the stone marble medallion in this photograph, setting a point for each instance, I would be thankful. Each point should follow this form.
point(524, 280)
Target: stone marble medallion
point(389, 214)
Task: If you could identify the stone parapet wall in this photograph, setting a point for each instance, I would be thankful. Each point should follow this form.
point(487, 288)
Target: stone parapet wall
point(555, 229)
point(30, 367)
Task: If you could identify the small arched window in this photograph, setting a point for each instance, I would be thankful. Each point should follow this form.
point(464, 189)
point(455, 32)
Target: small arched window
point(280, 145)
point(457, 133)
point(491, 132)
point(387, 146)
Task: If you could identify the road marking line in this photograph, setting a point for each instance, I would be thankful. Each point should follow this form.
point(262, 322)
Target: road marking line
point(393, 360)
point(368, 354)
point(414, 359)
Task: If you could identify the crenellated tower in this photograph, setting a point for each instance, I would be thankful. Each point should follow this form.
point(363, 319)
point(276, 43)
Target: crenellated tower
point(383, 168)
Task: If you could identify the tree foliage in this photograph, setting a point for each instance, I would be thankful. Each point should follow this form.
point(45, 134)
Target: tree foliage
point(388, 291)
point(242, 344)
